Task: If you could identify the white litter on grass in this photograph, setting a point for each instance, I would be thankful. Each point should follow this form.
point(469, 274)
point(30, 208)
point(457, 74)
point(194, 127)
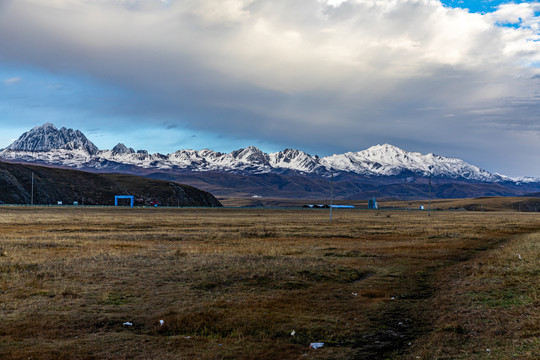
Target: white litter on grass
point(316, 345)
point(392, 298)
point(161, 322)
point(293, 333)
point(355, 294)
point(127, 324)
point(519, 256)
point(488, 350)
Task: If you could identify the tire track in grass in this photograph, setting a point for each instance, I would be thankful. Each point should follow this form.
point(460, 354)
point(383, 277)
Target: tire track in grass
point(409, 316)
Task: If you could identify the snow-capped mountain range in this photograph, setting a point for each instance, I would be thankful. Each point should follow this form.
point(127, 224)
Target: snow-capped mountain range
point(67, 147)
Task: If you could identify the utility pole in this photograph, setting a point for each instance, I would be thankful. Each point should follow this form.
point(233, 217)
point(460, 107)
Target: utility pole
point(32, 196)
point(331, 194)
point(410, 201)
point(429, 206)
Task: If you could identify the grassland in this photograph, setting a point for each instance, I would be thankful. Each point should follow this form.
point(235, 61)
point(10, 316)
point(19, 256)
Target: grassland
point(234, 284)
point(488, 203)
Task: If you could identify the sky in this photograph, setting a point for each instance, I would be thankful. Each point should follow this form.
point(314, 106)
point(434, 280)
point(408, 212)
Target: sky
point(456, 78)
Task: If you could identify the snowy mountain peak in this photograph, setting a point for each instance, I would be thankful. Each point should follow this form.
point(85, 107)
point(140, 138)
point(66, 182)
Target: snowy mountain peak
point(47, 137)
point(383, 153)
point(384, 148)
point(121, 149)
point(252, 155)
point(295, 160)
point(47, 125)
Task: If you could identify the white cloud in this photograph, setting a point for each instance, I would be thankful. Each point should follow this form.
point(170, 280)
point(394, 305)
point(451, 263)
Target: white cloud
point(524, 13)
point(284, 46)
point(12, 81)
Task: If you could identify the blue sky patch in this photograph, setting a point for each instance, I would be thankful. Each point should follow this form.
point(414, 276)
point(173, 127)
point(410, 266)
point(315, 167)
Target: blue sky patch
point(479, 6)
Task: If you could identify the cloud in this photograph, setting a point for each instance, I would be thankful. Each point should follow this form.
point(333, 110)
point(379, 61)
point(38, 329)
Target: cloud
point(311, 73)
point(524, 13)
point(12, 81)
point(55, 86)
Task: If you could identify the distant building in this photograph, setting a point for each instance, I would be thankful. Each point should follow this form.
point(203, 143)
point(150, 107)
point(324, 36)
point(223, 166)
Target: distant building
point(372, 203)
point(328, 206)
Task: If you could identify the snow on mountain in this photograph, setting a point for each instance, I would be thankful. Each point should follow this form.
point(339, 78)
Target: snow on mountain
point(295, 160)
point(67, 147)
point(388, 160)
point(71, 158)
point(121, 149)
point(252, 156)
point(47, 137)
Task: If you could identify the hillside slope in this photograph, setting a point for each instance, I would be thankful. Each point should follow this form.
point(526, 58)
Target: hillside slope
point(52, 185)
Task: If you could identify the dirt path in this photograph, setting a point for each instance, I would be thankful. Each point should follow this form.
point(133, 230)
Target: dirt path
point(411, 315)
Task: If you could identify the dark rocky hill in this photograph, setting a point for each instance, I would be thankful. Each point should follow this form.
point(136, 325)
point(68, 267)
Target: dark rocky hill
point(53, 184)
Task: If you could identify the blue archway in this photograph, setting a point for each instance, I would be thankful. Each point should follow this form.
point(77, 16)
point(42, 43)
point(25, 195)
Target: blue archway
point(130, 197)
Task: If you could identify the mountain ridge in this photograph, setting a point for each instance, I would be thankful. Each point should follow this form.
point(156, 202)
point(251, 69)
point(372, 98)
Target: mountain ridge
point(68, 147)
point(381, 170)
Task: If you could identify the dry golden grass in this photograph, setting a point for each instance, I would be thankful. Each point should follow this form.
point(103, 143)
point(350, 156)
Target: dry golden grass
point(490, 306)
point(495, 203)
point(234, 284)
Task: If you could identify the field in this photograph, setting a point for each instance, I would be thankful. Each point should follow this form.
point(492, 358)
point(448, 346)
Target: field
point(94, 283)
point(494, 203)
